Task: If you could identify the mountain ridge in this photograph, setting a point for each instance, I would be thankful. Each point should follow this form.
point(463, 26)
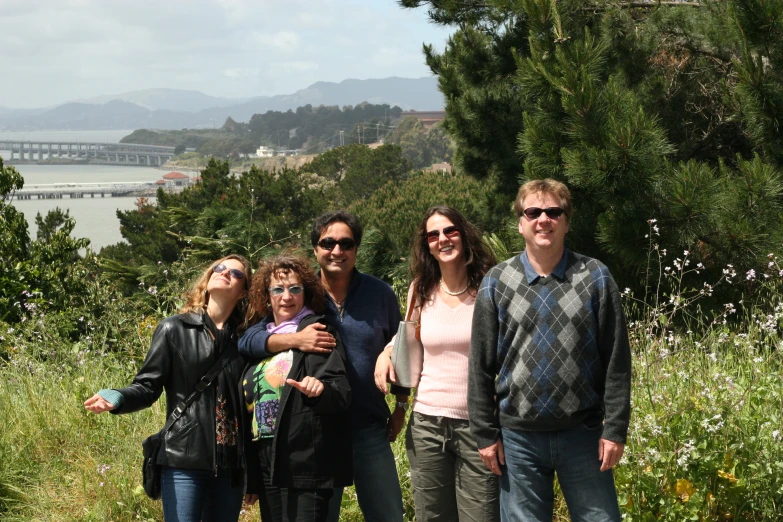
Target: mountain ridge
point(407, 93)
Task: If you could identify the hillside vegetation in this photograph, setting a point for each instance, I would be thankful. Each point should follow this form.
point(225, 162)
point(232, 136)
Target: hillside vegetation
point(662, 118)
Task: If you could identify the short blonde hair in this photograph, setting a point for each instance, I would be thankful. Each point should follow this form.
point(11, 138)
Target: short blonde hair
point(544, 186)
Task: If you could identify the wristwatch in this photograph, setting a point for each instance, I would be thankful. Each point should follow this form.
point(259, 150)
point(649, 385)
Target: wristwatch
point(403, 404)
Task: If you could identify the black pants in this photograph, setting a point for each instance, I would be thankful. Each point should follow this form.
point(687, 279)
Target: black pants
point(288, 504)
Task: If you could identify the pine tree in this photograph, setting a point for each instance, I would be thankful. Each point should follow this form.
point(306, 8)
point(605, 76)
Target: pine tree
point(646, 110)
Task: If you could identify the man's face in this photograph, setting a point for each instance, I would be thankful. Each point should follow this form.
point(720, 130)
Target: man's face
point(337, 261)
point(543, 234)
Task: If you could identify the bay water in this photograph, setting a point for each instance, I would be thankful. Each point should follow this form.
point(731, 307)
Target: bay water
point(96, 218)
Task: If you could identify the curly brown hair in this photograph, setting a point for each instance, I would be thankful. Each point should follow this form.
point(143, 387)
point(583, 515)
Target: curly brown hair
point(315, 296)
point(196, 297)
point(425, 270)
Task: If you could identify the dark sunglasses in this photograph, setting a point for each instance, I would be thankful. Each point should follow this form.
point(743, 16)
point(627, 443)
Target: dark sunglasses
point(277, 291)
point(236, 274)
point(449, 232)
point(329, 243)
point(551, 212)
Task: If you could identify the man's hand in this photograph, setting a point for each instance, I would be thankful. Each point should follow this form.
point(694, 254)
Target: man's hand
point(384, 371)
point(609, 453)
point(251, 498)
point(395, 423)
point(98, 404)
point(493, 457)
point(315, 339)
point(310, 386)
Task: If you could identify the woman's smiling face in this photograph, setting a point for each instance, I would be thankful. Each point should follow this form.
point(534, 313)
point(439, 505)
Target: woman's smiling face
point(286, 305)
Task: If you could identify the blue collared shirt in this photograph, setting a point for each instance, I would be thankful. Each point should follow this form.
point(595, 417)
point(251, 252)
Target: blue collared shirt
point(532, 276)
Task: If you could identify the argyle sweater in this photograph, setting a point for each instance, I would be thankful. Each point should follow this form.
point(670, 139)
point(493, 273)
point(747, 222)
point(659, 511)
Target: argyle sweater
point(548, 352)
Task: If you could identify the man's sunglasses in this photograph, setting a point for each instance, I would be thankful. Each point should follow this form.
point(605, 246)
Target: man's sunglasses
point(236, 274)
point(277, 291)
point(551, 212)
point(329, 243)
point(449, 232)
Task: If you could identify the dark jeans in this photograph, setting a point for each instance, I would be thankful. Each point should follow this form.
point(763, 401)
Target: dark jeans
point(288, 504)
point(375, 477)
point(191, 495)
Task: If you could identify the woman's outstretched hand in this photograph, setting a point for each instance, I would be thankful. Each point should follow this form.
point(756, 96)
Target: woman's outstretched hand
point(310, 386)
point(98, 404)
point(384, 371)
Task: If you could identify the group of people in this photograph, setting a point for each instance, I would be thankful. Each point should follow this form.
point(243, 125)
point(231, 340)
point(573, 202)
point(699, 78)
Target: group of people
point(526, 374)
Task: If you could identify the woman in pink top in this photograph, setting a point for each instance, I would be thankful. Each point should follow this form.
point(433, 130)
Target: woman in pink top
point(450, 482)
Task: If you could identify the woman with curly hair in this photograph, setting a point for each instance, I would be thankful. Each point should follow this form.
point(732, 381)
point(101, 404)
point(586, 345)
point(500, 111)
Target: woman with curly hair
point(297, 401)
point(204, 472)
point(450, 482)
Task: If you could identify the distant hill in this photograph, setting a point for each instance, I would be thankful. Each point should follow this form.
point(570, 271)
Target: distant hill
point(168, 99)
point(177, 109)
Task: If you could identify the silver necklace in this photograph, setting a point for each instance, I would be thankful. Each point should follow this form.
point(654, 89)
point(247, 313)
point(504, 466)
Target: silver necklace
point(443, 287)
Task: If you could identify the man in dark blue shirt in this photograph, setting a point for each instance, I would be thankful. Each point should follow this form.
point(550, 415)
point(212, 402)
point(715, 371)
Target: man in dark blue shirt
point(366, 314)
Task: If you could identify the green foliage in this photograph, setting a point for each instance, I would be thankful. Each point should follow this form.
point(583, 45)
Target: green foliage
point(359, 170)
point(14, 240)
point(318, 128)
point(49, 266)
point(630, 105)
point(189, 138)
point(393, 212)
point(421, 147)
point(54, 220)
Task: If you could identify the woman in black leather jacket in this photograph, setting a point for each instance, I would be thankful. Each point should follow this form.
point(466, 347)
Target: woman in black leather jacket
point(297, 402)
point(205, 474)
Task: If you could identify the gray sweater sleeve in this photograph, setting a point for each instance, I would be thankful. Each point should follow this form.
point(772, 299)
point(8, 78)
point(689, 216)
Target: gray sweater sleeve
point(482, 405)
point(615, 352)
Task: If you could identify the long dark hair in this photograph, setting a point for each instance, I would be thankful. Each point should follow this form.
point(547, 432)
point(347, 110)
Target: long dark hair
point(315, 296)
point(425, 270)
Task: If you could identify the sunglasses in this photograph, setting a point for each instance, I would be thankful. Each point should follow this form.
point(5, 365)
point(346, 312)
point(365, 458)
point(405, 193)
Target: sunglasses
point(551, 212)
point(236, 274)
point(449, 232)
point(277, 291)
point(329, 243)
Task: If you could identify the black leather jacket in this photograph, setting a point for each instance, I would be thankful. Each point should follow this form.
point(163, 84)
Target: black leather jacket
point(181, 353)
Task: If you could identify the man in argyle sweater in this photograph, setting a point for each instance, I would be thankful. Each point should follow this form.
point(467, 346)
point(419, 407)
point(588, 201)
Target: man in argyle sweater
point(550, 370)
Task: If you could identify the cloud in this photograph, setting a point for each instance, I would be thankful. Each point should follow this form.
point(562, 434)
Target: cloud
point(58, 50)
point(286, 42)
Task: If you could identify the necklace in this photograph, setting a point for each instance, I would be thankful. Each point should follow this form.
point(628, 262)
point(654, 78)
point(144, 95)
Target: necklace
point(443, 287)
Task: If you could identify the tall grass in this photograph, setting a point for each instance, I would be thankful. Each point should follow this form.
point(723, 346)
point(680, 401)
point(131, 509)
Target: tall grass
point(706, 438)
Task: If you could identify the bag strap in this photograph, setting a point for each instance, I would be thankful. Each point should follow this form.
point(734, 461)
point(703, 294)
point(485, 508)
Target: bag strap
point(410, 313)
point(201, 385)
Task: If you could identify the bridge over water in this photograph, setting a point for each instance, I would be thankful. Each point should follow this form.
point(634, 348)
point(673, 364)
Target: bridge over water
point(80, 190)
point(108, 153)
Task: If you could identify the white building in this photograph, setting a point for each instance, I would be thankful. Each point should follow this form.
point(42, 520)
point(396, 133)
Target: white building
point(265, 152)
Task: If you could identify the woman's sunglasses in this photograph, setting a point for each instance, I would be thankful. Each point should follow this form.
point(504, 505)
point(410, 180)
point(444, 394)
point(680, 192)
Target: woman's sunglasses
point(449, 232)
point(277, 291)
point(236, 274)
point(551, 212)
point(329, 243)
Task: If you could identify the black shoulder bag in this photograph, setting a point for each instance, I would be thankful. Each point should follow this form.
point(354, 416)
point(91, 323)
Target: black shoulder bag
point(151, 446)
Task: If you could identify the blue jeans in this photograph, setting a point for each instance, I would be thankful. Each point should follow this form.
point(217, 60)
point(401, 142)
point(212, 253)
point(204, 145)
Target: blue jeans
point(191, 495)
point(533, 458)
point(375, 477)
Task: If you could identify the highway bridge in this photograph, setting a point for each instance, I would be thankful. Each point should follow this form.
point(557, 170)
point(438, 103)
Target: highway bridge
point(89, 152)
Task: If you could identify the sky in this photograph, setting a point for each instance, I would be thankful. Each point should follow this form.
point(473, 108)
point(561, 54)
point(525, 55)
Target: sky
point(54, 51)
